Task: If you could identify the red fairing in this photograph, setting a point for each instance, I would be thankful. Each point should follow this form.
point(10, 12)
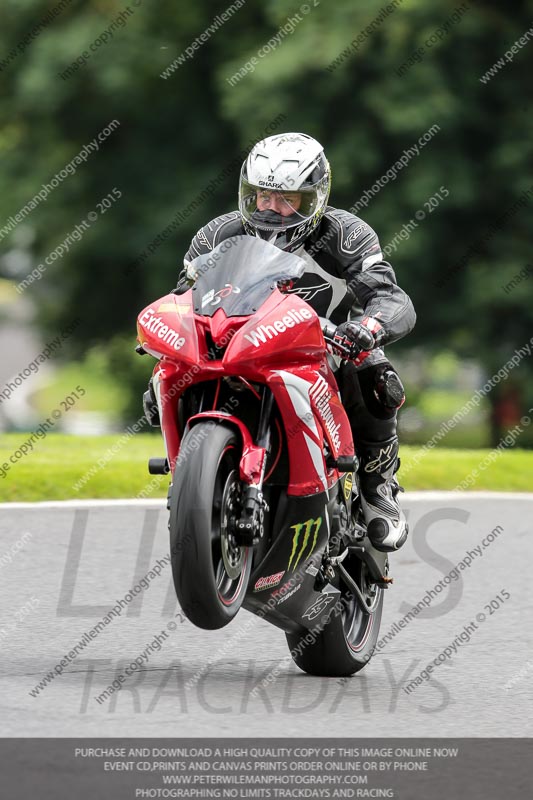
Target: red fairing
point(313, 416)
point(251, 465)
point(284, 330)
point(281, 345)
point(167, 328)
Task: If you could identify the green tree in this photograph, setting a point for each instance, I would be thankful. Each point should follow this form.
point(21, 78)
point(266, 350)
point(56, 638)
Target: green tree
point(367, 102)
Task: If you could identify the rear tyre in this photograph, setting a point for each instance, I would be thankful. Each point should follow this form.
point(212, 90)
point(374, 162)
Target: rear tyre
point(210, 571)
point(346, 643)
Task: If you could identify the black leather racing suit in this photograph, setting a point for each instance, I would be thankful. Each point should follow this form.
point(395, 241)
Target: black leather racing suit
point(347, 278)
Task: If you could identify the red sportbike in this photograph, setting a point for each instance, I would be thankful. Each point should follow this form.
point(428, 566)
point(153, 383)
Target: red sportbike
point(264, 500)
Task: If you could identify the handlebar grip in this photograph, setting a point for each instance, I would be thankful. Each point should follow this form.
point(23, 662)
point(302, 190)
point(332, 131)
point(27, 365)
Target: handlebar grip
point(329, 331)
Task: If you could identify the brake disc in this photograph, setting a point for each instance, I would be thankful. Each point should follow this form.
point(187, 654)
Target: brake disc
point(232, 553)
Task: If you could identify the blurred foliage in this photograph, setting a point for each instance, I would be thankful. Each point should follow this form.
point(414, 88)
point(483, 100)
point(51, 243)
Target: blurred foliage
point(102, 389)
point(177, 134)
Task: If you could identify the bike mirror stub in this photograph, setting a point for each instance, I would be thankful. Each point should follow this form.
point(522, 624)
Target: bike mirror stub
point(158, 466)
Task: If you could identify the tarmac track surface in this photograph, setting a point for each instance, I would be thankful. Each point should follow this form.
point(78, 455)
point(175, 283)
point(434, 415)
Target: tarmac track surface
point(64, 565)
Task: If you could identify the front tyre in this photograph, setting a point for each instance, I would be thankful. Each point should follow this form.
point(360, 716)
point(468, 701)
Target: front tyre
point(210, 571)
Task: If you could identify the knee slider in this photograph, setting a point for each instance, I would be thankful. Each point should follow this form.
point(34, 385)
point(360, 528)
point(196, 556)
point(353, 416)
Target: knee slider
point(389, 389)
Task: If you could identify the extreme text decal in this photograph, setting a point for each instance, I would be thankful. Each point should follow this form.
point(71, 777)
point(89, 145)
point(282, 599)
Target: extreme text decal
point(156, 325)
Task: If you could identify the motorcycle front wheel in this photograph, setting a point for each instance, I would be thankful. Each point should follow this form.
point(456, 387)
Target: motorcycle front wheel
point(210, 570)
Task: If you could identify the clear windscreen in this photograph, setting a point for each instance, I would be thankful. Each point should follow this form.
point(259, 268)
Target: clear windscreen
point(240, 274)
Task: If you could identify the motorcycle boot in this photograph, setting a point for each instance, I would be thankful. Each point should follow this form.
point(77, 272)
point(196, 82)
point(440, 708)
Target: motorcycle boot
point(386, 525)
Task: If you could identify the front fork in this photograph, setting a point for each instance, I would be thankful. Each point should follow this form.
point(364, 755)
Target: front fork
point(249, 528)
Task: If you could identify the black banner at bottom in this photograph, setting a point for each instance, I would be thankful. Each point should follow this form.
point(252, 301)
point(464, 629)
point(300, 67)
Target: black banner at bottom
point(125, 769)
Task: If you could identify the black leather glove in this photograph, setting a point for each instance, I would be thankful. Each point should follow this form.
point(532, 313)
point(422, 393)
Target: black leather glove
point(360, 336)
point(184, 284)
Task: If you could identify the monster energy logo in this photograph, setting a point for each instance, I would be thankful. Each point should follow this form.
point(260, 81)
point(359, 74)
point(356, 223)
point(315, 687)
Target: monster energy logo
point(299, 545)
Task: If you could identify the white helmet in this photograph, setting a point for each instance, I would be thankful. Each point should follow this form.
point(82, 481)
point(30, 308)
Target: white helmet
point(284, 189)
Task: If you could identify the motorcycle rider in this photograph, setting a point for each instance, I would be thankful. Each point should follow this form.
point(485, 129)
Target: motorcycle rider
point(283, 193)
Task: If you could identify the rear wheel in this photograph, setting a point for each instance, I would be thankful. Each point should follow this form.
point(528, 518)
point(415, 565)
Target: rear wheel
point(346, 642)
point(210, 570)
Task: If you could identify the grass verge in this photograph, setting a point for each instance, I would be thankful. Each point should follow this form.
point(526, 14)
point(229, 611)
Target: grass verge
point(62, 467)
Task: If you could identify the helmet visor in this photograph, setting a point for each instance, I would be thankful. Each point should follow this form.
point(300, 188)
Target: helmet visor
point(271, 209)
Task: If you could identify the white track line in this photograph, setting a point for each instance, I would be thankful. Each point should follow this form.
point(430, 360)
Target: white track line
point(156, 503)
point(429, 496)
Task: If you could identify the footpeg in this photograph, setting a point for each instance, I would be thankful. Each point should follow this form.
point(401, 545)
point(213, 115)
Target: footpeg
point(343, 463)
point(376, 562)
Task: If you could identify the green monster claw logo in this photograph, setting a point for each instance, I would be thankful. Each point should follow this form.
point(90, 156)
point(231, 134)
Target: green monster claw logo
point(307, 528)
